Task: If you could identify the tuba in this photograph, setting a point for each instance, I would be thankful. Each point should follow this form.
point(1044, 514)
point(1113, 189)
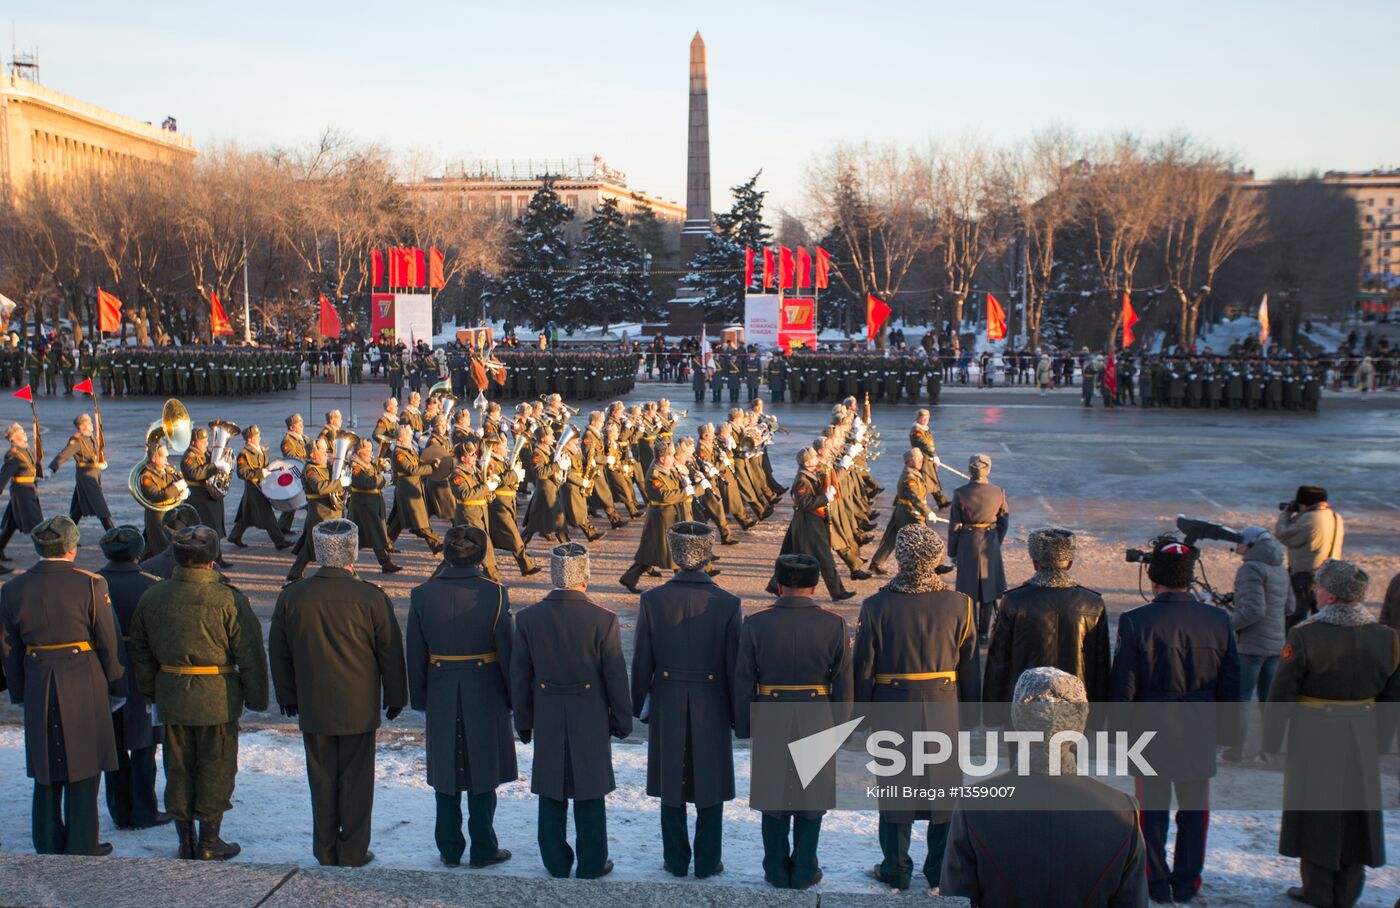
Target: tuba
point(447, 401)
point(174, 430)
point(221, 456)
point(343, 448)
point(559, 456)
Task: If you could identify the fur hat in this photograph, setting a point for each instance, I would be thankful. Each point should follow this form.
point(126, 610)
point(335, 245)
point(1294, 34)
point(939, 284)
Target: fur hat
point(179, 517)
point(1343, 579)
point(337, 542)
point(692, 544)
point(464, 545)
point(123, 543)
point(798, 572)
point(979, 465)
point(1051, 547)
point(918, 550)
point(195, 545)
point(1050, 701)
point(1307, 496)
point(568, 565)
point(55, 537)
point(1173, 565)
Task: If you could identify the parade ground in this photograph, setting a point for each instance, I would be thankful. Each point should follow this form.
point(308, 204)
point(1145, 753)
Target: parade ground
point(1117, 478)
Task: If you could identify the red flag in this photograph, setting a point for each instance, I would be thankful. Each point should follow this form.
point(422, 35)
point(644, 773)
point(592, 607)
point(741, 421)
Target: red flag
point(1110, 376)
point(804, 267)
point(823, 268)
point(770, 267)
point(377, 268)
point(218, 321)
point(24, 394)
point(748, 267)
point(417, 268)
point(784, 268)
point(1129, 319)
point(109, 312)
point(397, 267)
point(996, 319)
point(875, 314)
point(436, 280)
point(84, 387)
point(330, 319)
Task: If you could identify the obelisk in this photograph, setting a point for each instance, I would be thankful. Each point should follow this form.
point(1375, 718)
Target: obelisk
point(697, 169)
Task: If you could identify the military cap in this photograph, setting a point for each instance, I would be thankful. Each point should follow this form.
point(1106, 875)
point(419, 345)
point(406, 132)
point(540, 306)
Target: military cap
point(55, 537)
point(337, 542)
point(123, 543)
point(464, 545)
point(198, 433)
point(568, 565)
point(798, 571)
point(179, 517)
point(692, 544)
point(196, 544)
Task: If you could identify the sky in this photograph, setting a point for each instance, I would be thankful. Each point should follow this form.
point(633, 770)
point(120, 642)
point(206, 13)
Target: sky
point(1285, 87)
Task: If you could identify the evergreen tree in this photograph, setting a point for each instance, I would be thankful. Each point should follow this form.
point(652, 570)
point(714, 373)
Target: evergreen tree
point(649, 233)
point(717, 276)
point(609, 283)
point(537, 257)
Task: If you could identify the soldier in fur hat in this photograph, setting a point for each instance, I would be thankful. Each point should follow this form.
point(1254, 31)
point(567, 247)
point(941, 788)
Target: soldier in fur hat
point(569, 692)
point(977, 524)
point(686, 643)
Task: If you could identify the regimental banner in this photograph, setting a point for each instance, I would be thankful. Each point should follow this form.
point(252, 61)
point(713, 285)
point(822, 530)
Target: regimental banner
point(401, 317)
point(797, 323)
point(761, 319)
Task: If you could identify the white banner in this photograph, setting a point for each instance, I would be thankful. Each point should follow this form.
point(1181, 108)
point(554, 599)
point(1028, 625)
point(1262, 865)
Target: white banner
point(761, 320)
point(413, 317)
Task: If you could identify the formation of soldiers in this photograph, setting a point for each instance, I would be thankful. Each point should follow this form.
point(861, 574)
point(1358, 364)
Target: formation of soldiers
point(1207, 382)
point(165, 372)
point(576, 374)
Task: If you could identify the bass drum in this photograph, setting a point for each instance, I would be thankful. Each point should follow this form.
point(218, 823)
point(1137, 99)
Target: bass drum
point(282, 485)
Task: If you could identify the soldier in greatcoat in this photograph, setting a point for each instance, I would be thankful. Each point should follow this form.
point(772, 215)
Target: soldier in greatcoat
point(793, 651)
point(197, 650)
point(334, 645)
point(686, 644)
point(666, 494)
point(198, 469)
point(88, 500)
point(131, 787)
point(569, 693)
point(916, 643)
point(1336, 667)
point(323, 502)
point(20, 471)
point(501, 520)
point(62, 660)
point(294, 446)
point(472, 491)
point(458, 646)
point(810, 532)
point(254, 509)
point(410, 500)
point(1049, 620)
point(977, 524)
point(910, 507)
point(365, 504)
point(437, 491)
point(921, 438)
point(160, 484)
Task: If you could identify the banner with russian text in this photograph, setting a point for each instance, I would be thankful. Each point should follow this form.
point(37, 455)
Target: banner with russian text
point(761, 325)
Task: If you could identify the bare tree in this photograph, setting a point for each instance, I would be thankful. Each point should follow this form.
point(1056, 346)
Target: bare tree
point(966, 195)
point(1047, 203)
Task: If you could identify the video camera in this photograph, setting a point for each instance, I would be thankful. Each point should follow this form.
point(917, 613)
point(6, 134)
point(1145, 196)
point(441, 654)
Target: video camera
point(1192, 530)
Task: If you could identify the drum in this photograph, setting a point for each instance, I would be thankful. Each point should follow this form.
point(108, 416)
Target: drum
point(282, 485)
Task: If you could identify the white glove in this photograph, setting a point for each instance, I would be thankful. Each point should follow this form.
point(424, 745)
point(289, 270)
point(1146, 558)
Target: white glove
point(115, 703)
point(493, 484)
point(345, 481)
point(831, 494)
point(102, 465)
point(181, 485)
point(611, 460)
point(587, 484)
point(930, 516)
point(689, 490)
point(705, 484)
point(566, 464)
point(845, 462)
point(937, 461)
point(520, 473)
point(856, 449)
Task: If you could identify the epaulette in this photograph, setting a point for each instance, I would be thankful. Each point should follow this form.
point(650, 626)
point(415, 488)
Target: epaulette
point(87, 573)
point(151, 576)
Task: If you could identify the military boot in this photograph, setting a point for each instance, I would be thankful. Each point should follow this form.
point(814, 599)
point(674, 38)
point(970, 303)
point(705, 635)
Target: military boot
point(211, 847)
point(185, 830)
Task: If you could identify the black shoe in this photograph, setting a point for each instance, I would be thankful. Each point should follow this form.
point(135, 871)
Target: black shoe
point(653, 572)
point(747, 524)
point(103, 849)
point(607, 869)
point(594, 536)
point(878, 571)
point(673, 872)
point(713, 572)
point(389, 567)
point(500, 857)
point(860, 575)
point(238, 542)
point(188, 840)
point(160, 819)
point(224, 565)
point(630, 587)
point(729, 541)
point(843, 595)
point(875, 874)
point(866, 539)
point(284, 545)
point(369, 856)
point(533, 569)
point(812, 882)
point(291, 578)
point(446, 863)
point(617, 522)
point(719, 868)
point(212, 848)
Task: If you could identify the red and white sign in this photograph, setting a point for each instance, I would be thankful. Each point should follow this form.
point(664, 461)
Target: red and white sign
point(797, 323)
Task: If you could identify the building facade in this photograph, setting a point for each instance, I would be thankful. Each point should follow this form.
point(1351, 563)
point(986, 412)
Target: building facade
point(46, 135)
point(1376, 193)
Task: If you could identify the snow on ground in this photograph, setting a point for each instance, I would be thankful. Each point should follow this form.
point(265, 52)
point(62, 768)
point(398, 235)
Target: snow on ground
point(1219, 337)
point(271, 819)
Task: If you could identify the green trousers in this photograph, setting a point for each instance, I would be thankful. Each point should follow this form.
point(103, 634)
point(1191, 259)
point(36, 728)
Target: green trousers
point(675, 843)
point(897, 867)
point(65, 817)
point(201, 762)
point(481, 813)
point(590, 837)
point(790, 867)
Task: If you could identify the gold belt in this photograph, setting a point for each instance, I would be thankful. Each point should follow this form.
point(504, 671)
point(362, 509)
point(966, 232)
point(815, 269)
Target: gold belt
point(1321, 701)
point(198, 669)
point(81, 646)
point(976, 526)
point(915, 676)
point(316, 497)
point(361, 492)
point(506, 493)
point(481, 503)
point(28, 479)
point(772, 690)
point(483, 658)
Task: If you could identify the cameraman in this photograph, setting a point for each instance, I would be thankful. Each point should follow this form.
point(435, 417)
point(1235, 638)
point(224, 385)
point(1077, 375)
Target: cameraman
point(1263, 597)
point(1313, 532)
